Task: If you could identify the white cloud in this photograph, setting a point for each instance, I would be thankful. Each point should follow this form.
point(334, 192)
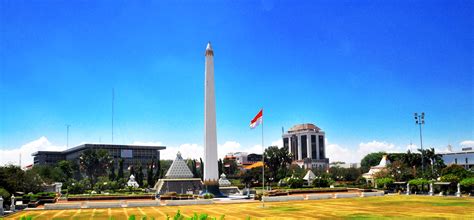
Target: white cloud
point(12, 156)
point(227, 147)
point(376, 146)
point(196, 151)
point(339, 153)
point(467, 143)
point(187, 150)
point(257, 149)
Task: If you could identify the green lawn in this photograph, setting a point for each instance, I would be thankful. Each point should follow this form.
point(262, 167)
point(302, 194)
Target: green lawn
point(411, 207)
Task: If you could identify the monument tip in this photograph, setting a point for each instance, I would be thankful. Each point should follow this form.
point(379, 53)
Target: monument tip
point(209, 46)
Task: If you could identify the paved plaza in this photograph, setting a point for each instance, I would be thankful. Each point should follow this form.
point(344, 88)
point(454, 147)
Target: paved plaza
point(399, 206)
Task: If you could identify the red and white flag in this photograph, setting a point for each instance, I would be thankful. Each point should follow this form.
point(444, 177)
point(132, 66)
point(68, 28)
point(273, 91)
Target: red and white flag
point(257, 120)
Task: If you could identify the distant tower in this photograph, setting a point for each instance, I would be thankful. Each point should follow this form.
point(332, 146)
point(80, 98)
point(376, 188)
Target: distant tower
point(210, 137)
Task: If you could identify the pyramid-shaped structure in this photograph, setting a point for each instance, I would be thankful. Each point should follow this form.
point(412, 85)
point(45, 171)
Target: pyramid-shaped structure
point(309, 176)
point(179, 169)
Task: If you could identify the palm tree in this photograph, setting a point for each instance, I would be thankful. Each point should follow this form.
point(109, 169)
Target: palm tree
point(95, 163)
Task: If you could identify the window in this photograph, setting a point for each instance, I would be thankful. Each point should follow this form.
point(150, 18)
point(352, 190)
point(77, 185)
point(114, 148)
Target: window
point(313, 147)
point(294, 147)
point(321, 147)
point(285, 143)
point(304, 147)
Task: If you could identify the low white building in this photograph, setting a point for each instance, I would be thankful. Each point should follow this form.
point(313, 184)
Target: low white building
point(370, 176)
point(464, 158)
point(345, 165)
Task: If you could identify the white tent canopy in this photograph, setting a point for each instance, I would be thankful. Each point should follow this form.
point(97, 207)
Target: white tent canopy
point(309, 176)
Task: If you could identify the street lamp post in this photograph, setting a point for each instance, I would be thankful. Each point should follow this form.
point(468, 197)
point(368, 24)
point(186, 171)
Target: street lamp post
point(420, 120)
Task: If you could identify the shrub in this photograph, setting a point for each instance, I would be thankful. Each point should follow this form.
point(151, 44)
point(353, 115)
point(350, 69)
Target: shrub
point(384, 181)
point(26, 217)
point(46, 194)
point(76, 188)
point(4, 193)
point(208, 196)
point(295, 182)
point(30, 197)
point(170, 194)
point(456, 170)
point(322, 182)
point(450, 178)
point(418, 182)
point(467, 182)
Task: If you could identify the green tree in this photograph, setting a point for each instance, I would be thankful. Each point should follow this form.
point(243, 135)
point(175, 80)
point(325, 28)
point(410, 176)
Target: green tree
point(140, 175)
point(132, 171)
point(149, 174)
point(201, 168)
point(323, 180)
point(194, 170)
point(450, 178)
point(295, 182)
point(5, 195)
point(49, 173)
point(158, 172)
point(120, 169)
point(419, 183)
point(276, 159)
point(254, 175)
point(12, 178)
point(370, 160)
point(32, 182)
point(400, 171)
point(220, 167)
point(94, 163)
point(296, 170)
point(457, 171)
point(230, 167)
point(165, 165)
point(112, 176)
point(467, 184)
point(67, 168)
point(192, 166)
point(384, 182)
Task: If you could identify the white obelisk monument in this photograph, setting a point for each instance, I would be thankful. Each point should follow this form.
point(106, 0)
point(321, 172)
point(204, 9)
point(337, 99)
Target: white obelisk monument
point(210, 137)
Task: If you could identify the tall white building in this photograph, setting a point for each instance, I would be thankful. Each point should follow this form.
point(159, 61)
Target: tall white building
point(306, 143)
point(210, 136)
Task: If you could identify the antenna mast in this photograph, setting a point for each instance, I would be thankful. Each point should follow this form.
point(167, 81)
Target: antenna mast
point(113, 99)
point(67, 135)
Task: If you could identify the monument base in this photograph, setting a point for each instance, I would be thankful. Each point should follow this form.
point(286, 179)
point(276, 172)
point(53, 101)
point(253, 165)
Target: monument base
point(212, 188)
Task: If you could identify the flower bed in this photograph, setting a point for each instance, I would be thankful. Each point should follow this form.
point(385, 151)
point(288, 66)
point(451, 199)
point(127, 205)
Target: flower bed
point(109, 197)
point(175, 196)
point(33, 200)
point(280, 192)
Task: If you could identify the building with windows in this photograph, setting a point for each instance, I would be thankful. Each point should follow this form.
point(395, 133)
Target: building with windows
point(306, 143)
point(132, 155)
point(243, 158)
point(464, 158)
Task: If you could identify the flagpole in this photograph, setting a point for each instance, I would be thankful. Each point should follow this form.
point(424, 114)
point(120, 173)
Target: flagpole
point(263, 166)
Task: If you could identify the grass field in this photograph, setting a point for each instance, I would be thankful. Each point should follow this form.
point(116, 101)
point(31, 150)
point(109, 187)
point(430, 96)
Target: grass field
point(372, 207)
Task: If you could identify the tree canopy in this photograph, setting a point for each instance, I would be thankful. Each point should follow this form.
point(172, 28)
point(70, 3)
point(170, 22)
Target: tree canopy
point(277, 159)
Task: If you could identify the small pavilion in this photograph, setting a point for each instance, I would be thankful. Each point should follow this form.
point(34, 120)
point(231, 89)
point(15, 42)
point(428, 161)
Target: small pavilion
point(370, 176)
point(179, 179)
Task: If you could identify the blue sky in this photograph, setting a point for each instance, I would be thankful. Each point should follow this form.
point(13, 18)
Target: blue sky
point(359, 70)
